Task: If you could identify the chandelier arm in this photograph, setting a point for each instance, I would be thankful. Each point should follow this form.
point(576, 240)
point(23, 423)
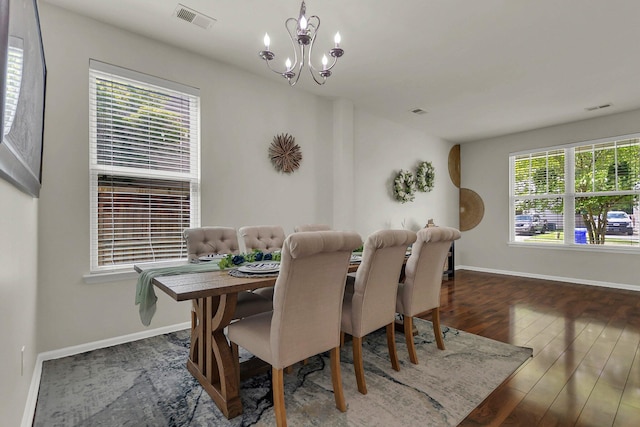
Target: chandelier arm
point(312, 69)
point(313, 39)
point(273, 69)
point(335, 60)
point(320, 82)
point(293, 38)
point(293, 83)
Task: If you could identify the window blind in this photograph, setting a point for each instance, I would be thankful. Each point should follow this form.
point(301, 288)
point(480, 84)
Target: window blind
point(15, 62)
point(145, 177)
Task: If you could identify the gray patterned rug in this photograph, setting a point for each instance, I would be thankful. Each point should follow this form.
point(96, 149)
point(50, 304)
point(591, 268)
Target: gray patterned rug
point(146, 383)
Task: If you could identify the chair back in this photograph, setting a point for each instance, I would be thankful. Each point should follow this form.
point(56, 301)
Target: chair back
point(307, 300)
point(424, 269)
point(312, 227)
point(210, 240)
point(267, 238)
point(376, 284)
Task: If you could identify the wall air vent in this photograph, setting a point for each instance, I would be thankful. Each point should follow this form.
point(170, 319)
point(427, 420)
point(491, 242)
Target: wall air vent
point(193, 17)
point(598, 107)
point(419, 111)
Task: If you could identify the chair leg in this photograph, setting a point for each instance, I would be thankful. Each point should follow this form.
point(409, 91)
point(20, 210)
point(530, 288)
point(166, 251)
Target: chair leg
point(288, 370)
point(336, 379)
point(435, 317)
point(358, 364)
point(341, 339)
point(277, 379)
point(235, 354)
point(391, 343)
point(408, 336)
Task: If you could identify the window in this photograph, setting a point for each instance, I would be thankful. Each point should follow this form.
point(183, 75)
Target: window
point(583, 194)
point(144, 167)
point(15, 60)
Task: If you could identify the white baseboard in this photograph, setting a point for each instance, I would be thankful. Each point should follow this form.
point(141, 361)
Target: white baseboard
point(32, 396)
point(554, 278)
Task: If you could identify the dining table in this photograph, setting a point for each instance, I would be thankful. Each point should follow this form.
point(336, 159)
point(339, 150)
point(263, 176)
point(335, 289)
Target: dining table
point(211, 361)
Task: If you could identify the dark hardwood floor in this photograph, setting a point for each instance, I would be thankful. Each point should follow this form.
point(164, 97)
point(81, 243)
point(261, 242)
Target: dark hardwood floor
point(585, 369)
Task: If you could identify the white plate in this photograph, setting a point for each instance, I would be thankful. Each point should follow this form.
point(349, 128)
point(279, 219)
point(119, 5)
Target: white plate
point(212, 257)
point(260, 267)
point(356, 258)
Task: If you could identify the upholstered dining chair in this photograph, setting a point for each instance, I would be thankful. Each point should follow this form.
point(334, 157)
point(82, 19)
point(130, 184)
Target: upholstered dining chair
point(373, 303)
point(311, 227)
point(210, 240)
point(307, 305)
point(267, 238)
point(223, 240)
point(420, 291)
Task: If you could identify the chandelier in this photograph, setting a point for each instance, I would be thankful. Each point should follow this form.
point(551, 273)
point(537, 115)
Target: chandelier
point(302, 32)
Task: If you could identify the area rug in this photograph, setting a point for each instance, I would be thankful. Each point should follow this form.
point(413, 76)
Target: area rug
point(146, 383)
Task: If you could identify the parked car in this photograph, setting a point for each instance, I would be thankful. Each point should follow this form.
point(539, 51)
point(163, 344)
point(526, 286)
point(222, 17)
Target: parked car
point(619, 222)
point(529, 224)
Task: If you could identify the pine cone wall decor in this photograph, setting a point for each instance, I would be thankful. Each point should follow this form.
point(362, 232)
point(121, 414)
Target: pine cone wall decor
point(284, 153)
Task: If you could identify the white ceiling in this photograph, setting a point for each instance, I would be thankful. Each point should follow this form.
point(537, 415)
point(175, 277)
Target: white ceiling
point(481, 68)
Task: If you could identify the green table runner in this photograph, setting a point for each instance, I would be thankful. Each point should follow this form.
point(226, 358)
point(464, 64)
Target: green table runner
point(146, 296)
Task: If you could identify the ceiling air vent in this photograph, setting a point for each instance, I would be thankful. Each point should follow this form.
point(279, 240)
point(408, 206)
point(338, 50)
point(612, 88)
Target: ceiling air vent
point(419, 111)
point(193, 17)
point(598, 107)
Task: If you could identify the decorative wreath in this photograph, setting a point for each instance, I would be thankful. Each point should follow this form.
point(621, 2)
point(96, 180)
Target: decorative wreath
point(425, 175)
point(284, 153)
point(404, 187)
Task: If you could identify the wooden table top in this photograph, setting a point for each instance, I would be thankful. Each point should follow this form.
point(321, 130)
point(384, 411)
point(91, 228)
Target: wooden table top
point(183, 287)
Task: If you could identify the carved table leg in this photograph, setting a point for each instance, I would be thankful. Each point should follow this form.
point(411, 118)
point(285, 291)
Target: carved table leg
point(211, 357)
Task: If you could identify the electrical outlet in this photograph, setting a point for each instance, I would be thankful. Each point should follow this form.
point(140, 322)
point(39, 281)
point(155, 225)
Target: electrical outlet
point(22, 360)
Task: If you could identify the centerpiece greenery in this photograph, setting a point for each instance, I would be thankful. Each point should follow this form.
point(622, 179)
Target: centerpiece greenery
point(257, 255)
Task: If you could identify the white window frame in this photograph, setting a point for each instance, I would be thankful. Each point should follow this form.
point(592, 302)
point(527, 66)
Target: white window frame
point(569, 196)
point(122, 75)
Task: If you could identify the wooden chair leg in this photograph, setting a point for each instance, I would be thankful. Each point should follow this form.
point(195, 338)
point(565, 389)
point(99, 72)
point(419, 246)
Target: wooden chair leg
point(341, 339)
point(358, 365)
point(435, 317)
point(288, 370)
point(391, 343)
point(277, 379)
point(336, 379)
point(235, 354)
point(408, 336)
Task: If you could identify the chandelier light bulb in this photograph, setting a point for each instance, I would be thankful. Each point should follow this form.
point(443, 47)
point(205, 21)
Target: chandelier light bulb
point(303, 23)
point(267, 41)
point(287, 64)
point(337, 39)
point(325, 61)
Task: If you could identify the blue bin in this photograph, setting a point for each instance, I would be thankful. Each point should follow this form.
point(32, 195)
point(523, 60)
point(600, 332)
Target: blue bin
point(581, 236)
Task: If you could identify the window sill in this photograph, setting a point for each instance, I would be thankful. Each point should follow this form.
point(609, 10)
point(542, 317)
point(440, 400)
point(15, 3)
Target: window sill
point(112, 276)
point(125, 274)
point(635, 250)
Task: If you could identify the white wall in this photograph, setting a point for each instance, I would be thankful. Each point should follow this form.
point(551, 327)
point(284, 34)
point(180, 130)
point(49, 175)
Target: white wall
point(240, 115)
point(18, 288)
point(485, 169)
point(382, 148)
